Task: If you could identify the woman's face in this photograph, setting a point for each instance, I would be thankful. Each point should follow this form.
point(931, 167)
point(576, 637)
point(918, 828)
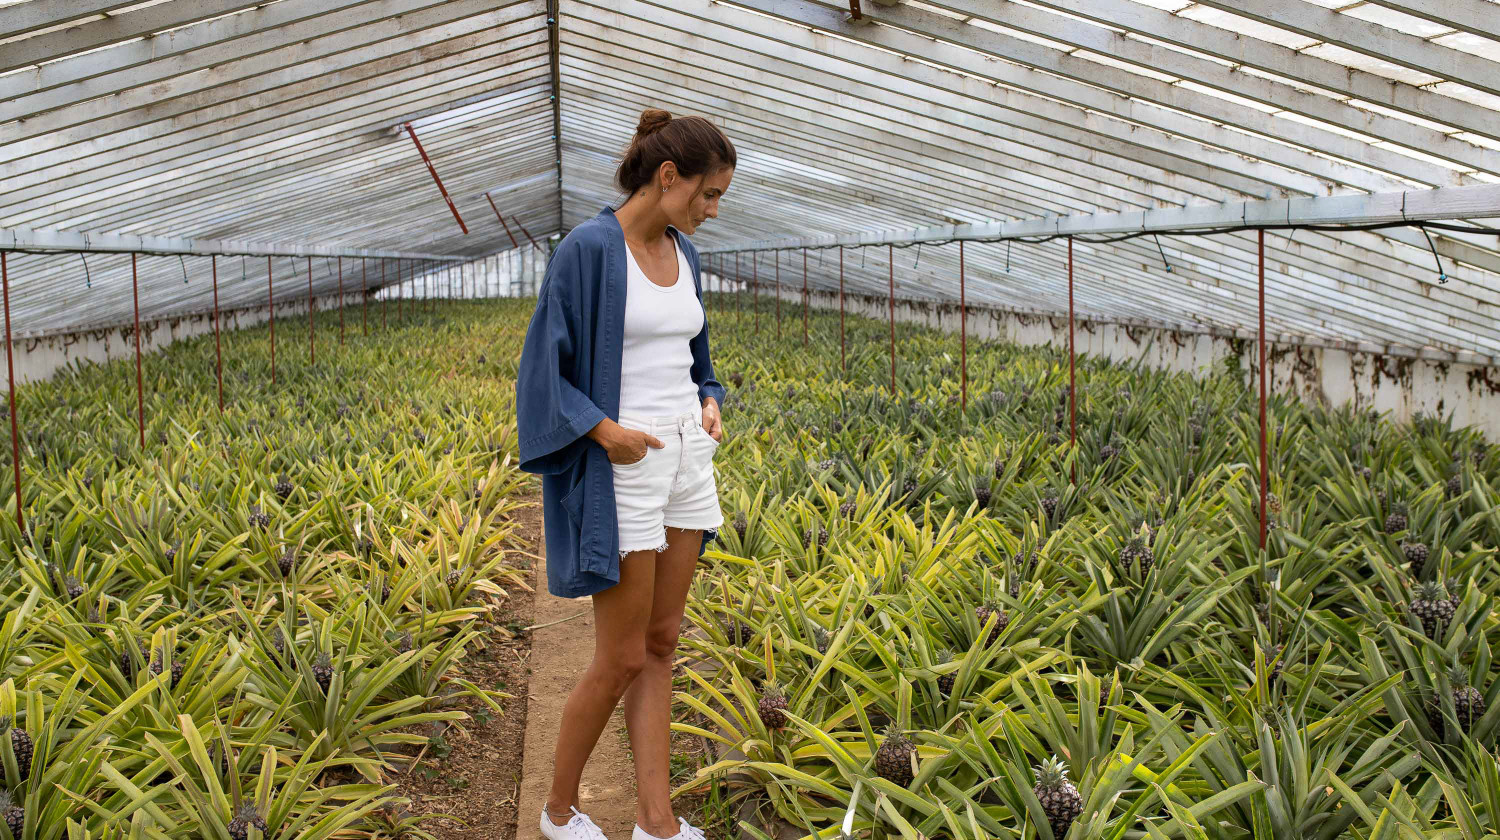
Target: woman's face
point(689, 202)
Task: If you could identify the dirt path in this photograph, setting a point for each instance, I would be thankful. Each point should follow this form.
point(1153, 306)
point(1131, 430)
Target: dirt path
point(559, 654)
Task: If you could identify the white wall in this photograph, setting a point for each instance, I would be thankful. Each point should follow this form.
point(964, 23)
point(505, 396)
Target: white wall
point(1332, 376)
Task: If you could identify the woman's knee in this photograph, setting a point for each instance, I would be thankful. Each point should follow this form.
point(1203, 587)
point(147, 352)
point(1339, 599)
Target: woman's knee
point(662, 644)
point(619, 668)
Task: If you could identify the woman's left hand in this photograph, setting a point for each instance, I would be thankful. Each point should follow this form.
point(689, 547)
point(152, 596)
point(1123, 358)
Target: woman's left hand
point(712, 422)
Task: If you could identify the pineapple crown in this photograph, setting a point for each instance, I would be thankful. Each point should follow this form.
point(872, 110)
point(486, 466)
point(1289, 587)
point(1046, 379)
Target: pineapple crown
point(1052, 773)
point(1400, 508)
point(944, 656)
point(4, 723)
point(324, 660)
point(772, 688)
point(1458, 676)
point(7, 799)
point(1431, 591)
point(246, 811)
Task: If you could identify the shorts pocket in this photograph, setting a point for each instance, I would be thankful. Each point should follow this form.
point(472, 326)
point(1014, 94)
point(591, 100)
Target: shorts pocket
point(633, 465)
point(704, 432)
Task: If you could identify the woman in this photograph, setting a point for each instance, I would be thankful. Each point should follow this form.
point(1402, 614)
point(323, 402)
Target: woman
point(618, 410)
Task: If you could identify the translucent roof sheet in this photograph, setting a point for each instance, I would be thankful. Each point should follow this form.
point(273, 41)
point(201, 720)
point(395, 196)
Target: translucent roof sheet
point(276, 122)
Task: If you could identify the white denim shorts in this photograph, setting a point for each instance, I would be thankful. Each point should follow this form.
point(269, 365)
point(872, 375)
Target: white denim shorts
point(672, 487)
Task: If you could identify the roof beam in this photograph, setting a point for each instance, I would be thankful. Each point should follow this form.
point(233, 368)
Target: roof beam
point(45, 14)
point(1140, 19)
point(1372, 39)
point(1476, 202)
point(1476, 17)
point(94, 34)
point(72, 241)
point(1100, 80)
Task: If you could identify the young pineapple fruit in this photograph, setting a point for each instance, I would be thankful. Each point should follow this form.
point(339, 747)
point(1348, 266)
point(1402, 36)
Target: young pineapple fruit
point(982, 494)
point(1396, 521)
point(286, 563)
point(1137, 555)
point(73, 587)
point(740, 524)
point(1060, 799)
point(322, 671)
point(821, 638)
point(283, 487)
point(945, 682)
point(893, 758)
point(1468, 703)
point(1416, 554)
point(772, 706)
point(244, 817)
point(1002, 620)
point(1430, 604)
point(13, 814)
point(21, 745)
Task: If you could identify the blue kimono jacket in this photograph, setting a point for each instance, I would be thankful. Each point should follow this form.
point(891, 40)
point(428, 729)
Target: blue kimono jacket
point(569, 380)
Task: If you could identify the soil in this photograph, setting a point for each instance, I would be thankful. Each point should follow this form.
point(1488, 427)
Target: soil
point(486, 778)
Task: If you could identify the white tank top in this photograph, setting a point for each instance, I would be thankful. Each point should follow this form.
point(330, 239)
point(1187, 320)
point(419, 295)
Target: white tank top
point(656, 365)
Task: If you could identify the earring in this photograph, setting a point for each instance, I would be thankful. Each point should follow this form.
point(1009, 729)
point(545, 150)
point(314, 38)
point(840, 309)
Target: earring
point(663, 189)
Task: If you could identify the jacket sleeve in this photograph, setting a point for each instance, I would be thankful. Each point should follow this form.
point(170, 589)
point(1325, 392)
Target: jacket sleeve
point(552, 414)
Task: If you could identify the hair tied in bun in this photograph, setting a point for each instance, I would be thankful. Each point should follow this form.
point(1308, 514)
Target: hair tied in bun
point(652, 121)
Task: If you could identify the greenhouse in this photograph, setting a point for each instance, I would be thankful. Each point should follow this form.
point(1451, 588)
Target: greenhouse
point(1096, 441)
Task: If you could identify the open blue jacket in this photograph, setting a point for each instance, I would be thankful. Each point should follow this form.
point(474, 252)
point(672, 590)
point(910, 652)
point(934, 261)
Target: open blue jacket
point(569, 380)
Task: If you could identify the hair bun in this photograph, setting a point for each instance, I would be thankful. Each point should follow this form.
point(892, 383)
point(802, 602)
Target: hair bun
point(652, 121)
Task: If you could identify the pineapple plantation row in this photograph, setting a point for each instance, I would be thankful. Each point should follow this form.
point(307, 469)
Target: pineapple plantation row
point(914, 618)
point(243, 628)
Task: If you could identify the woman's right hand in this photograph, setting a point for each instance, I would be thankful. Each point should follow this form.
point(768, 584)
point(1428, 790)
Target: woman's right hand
point(624, 446)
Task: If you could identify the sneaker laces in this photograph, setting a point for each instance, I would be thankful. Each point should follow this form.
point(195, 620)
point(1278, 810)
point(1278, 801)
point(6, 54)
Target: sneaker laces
point(689, 831)
point(588, 826)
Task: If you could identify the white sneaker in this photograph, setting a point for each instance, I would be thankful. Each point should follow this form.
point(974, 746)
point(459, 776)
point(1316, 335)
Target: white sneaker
point(580, 827)
point(687, 832)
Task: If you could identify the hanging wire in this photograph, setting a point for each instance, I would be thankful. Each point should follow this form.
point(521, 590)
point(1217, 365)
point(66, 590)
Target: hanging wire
point(1007, 256)
point(183, 261)
point(1163, 253)
point(88, 281)
point(1442, 275)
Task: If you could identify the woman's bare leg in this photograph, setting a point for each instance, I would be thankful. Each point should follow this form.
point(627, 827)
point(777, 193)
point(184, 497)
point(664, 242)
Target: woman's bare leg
point(648, 701)
point(621, 613)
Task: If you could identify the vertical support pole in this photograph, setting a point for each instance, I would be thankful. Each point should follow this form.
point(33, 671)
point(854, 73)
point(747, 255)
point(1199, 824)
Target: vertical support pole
point(755, 287)
point(804, 296)
point(843, 365)
point(738, 311)
point(1072, 372)
point(312, 333)
point(1260, 337)
point(271, 307)
point(963, 335)
point(218, 346)
point(140, 388)
point(10, 367)
point(364, 292)
point(778, 294)
point(341, 300)
point(891, 260)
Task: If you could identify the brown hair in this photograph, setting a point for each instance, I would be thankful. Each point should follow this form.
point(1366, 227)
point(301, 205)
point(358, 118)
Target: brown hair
point(694, 144)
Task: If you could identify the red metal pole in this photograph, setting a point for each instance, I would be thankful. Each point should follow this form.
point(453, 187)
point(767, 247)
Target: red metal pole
point(843, 365)
point(778, 294)
point(10, 366)
point(513, 242)
point(891, 260)
point(271, 306)
point(527, 232)
point(399, 294)
point(312, 334)
point(1261, 340)
point(804, 297)
point(963, 334)
point(140, 395)
point(341, 300)
point(218, 346)
point(439, 181)
point(1072, 374)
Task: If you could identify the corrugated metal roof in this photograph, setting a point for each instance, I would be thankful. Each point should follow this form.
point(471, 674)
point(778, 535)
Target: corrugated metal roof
point(273, 122)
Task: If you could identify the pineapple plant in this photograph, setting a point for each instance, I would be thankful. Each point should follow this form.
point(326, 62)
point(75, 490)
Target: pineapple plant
point(1059, 798)
point(259, 519)
point(1136, 555)
point(1455, 486)
point(1468, 704)
point(283, 487)
point(982, 494)
point(74, 588)
point(821, 638)
point(278, 642)
point(1396, 521)
point(846, 510)
point(772, 706)
point(894, 758)
point(322, 671)
point(1416, 554)
point(817, 536)
point(1049, 504)
point(1430, 604)
point(740, 524)
point(13, 813)
point(286, 562)
point(1002, 620)
point(21, 745)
